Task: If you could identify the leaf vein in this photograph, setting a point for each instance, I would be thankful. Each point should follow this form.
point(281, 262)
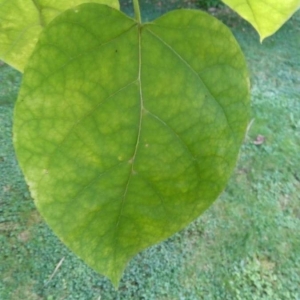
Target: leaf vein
point(91, 112)
point(193, 71)
point(177, 136)
point(155, 190)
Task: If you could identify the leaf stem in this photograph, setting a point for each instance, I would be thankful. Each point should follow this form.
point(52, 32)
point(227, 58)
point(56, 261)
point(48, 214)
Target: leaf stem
point(137, 12)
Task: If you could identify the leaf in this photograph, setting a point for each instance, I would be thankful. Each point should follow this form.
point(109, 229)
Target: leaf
point(21, 22)
point(127, 132)
point(266, 16)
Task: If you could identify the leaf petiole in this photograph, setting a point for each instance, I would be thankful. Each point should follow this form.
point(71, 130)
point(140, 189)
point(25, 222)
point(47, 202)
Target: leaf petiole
point(137, 12)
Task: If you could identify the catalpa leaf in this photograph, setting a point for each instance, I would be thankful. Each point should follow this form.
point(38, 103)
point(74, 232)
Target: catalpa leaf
point(127, 132)
point(266, 16)
point(21, 22)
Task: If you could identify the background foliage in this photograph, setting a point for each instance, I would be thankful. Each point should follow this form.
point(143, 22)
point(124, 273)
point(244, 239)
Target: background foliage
point(22, 21)
point(153, 8)
point(206, 4)
point(247, 246)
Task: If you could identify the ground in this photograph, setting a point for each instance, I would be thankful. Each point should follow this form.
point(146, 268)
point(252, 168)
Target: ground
point(246, 246)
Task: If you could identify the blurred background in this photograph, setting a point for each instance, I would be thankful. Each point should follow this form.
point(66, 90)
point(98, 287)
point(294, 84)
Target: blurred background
point(152, 9)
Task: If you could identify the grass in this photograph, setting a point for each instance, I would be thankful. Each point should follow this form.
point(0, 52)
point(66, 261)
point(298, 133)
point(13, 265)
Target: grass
point(246, 246)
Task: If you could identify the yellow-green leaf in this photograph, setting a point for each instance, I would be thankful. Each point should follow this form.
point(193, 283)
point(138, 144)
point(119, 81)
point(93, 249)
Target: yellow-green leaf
point(128, 132)
point(21, 21)
point(266, 16)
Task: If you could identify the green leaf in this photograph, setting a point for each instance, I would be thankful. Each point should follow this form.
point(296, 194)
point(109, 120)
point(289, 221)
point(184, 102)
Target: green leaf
point(127, 132)
point(21, 22)
point(266, 16)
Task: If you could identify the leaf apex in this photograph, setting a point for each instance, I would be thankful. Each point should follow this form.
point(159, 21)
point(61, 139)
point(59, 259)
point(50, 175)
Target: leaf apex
point(115, 277)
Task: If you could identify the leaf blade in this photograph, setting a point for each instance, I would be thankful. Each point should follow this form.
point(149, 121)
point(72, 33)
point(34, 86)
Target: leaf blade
point(265, 16)
point(106, 135)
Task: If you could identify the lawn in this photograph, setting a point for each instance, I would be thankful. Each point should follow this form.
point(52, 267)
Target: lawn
point(246, 246)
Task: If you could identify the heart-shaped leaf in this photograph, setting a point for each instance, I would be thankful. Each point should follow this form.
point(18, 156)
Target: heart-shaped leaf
point(21, 22)
point(266, 16)
point(127, 132)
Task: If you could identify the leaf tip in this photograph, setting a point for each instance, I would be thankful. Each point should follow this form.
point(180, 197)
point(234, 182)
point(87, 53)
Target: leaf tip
point(261, 39)
point(113, 271)
point(115, 278)
point(263, 36)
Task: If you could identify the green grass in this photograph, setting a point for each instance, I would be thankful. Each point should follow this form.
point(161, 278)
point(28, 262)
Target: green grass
point(246, 246)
